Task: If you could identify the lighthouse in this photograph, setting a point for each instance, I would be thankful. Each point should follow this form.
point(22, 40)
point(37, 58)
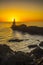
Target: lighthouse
point(14, 24)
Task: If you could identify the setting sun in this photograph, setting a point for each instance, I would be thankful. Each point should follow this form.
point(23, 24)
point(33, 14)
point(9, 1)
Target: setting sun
point(21, 11)
point(15, 19)
point(12, 19)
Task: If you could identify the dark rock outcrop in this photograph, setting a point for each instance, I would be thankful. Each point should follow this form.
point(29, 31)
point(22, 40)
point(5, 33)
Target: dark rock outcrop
point(32, 46)
point(33, 30)
point(5, 53)
point(41, 44)
point(9, 57)
point(15, 40)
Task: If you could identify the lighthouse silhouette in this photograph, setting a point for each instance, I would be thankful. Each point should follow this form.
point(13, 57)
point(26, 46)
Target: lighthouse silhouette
point(14, 23)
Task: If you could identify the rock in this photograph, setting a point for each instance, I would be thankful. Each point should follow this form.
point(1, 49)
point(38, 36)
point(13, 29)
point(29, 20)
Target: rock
point(5, 53)
point(41, 44)
point(15, 40)
point(32, 46)
point(9, 57)
point(33, 30)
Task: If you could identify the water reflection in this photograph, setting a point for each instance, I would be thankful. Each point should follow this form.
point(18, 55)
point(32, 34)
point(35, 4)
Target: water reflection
point(7, 34)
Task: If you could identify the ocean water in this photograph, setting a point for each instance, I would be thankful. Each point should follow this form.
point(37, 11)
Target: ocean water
point(6, 33)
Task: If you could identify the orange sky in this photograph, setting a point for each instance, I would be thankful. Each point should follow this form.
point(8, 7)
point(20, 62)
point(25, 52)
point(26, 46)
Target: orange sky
point(21, 11)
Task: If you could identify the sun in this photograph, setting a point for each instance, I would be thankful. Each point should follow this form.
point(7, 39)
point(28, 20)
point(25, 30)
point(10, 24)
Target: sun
point(13, 19)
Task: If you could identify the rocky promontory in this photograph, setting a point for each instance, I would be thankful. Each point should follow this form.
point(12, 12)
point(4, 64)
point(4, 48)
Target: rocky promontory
point(33, 30)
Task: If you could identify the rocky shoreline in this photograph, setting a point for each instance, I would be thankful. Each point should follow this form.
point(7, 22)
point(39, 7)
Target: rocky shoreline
point(10, 57)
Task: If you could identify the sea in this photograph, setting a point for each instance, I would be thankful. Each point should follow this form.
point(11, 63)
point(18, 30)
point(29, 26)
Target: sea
point(6, 34)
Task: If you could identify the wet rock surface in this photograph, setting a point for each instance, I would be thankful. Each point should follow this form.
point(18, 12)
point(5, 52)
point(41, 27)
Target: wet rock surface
point(15, 40)
point(41, 44)
point(10, 57)
point(32, 46)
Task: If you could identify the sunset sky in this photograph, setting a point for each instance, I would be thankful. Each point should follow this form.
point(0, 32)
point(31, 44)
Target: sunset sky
point(21, 10)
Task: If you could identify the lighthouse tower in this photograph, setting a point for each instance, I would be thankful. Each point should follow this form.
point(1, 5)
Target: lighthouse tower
point(14, 24)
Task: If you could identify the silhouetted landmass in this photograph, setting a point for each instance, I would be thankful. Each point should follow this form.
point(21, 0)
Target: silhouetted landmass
point(34, 30)
point(9, 57)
